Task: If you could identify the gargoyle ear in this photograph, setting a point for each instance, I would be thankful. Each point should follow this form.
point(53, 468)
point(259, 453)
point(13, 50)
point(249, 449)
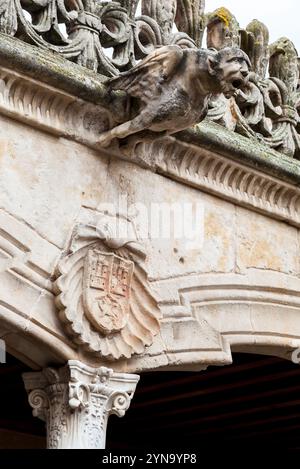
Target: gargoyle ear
point(211, 65)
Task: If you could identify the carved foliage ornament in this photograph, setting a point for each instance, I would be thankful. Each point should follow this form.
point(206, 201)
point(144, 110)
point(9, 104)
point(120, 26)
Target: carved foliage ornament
point(75, 402)
point(103, 295)
point(265, 109)
point(91, 26)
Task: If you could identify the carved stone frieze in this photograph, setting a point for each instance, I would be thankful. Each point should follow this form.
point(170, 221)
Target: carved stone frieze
point(190, 19)
point(103, 295)
point(75, 402)
point(62, 114)
point(43, 106)
point(91, 27)
point(220, 175)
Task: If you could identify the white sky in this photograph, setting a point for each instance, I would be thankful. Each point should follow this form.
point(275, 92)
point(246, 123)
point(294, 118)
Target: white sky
point(281, 17)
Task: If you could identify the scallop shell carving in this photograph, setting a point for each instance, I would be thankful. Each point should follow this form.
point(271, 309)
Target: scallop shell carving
point(143, 313)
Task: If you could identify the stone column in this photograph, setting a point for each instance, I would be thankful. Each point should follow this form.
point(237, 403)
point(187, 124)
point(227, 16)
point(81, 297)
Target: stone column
point(75, 402)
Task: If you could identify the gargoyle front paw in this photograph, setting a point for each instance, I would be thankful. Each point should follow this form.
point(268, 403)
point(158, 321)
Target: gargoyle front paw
point(105, 139)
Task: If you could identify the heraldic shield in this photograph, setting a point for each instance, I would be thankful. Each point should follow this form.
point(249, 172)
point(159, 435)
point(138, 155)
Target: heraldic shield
point(106, 290)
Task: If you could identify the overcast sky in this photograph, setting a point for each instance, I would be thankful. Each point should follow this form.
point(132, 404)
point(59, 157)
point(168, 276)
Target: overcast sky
point(281, 17)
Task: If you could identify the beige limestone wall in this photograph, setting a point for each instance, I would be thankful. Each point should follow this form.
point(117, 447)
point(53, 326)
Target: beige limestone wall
point(239, 287)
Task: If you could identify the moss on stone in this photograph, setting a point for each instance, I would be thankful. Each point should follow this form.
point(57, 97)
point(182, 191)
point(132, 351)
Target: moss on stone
point(223, 15)
point(51, 68)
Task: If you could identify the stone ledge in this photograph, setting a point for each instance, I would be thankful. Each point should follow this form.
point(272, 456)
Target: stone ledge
point(212, 172)
point(54, 70)
point(51, 68)
point(217, 139)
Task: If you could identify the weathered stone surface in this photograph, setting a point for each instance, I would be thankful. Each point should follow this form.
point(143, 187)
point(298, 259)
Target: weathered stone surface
point(213, 137)
point(235, 286)
point(56, 71)
point(214, 248)
point(103, 293)
point(159, 252)
point(211, 295)
point(266, 244)
point(173, 86)
point(265, 109)
point(51, 69)
point(38, 179)
point(76, 401)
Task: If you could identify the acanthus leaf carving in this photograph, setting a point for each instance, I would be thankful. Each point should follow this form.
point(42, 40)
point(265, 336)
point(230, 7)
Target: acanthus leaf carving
point(76, 401)
point(8, 17)
point(163, 13)
point(265, 109)
point(46, 17)
point(255, 41)
point(190, 19)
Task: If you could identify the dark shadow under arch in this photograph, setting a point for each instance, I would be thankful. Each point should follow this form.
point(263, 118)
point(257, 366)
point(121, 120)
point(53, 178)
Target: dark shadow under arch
point(254, 402)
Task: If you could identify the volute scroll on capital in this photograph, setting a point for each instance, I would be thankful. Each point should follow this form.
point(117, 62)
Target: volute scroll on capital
point(103, 295)
point(76, 401)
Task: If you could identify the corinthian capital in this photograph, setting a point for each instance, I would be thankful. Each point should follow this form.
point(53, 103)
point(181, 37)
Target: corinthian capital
point(75, 402)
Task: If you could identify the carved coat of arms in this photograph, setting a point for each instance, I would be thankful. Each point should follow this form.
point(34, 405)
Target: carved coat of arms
point(106, 290)
point(103, 294)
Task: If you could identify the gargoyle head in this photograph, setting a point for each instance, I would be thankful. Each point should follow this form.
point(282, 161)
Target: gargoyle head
point(230, 66)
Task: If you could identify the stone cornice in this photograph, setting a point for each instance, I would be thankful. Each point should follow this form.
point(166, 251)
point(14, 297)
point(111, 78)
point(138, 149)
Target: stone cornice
point(43, 106)
point(51, 68)
point(216, 138)
point(242, 184)
point(207, 157)
point(265, 108)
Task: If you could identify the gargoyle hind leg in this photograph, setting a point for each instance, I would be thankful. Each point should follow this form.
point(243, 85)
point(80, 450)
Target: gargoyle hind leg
point(139, 123)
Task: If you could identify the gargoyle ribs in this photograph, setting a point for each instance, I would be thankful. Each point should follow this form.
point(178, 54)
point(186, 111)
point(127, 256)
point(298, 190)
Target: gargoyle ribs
point(173, 86)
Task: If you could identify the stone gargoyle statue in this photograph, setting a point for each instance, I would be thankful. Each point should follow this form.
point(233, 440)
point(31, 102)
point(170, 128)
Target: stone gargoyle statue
point(170, 89)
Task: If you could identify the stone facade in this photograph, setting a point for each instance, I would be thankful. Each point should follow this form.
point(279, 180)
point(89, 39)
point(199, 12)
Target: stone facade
point(100, 305)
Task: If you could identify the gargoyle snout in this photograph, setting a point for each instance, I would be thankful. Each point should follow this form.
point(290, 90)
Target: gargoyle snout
point(245, 72)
